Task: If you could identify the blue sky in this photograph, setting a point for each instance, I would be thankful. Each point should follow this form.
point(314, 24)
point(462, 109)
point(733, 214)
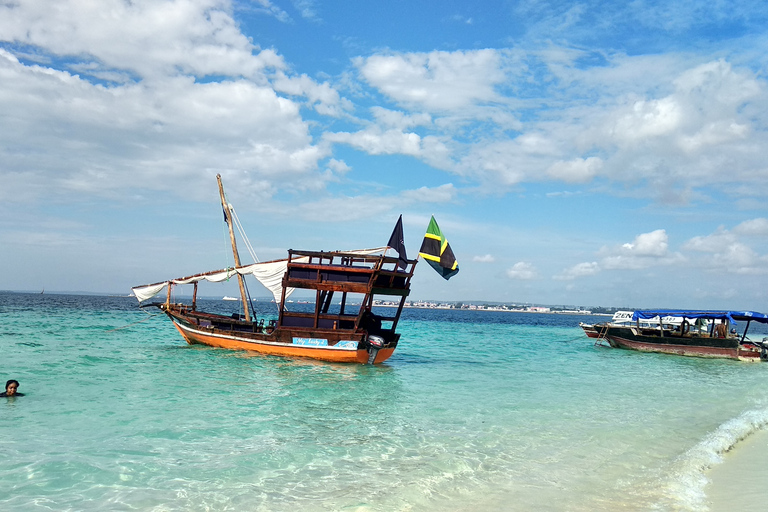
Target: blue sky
point(581, 153)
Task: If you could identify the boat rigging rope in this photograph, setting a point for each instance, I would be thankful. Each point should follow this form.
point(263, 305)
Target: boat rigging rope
point(236, 222)
point(240, 230)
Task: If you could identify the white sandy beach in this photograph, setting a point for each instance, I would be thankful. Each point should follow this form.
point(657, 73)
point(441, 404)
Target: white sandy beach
point(740, 482)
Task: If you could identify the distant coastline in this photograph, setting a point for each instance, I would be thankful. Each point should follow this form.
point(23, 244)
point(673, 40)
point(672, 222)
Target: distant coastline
point(420, 304)
point(497, 308)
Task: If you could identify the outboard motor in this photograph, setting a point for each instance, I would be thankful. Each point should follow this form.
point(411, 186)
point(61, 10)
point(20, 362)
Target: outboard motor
point(764, 350)
point(374, 344)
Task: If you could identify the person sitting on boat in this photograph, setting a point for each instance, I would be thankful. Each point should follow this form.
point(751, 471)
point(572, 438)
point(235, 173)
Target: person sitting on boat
point(370, 321)
point(10, 388)
point(721, 329)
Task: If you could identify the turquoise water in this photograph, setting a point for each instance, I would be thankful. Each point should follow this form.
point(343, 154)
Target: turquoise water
point(475, 411)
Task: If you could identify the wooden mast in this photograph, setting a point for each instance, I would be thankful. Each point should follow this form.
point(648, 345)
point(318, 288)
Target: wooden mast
point(240, 279)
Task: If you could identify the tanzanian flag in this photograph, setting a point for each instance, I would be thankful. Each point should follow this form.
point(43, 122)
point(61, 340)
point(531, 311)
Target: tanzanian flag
point(437, 252)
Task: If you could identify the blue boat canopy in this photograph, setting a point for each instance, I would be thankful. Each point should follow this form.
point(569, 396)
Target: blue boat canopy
point(733, 316)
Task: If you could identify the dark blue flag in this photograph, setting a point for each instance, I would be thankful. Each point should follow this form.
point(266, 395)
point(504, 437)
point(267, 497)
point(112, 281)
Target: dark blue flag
point(397, 242)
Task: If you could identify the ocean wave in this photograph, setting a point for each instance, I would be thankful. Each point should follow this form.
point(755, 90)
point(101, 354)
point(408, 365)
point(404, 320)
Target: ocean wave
point(688, 478)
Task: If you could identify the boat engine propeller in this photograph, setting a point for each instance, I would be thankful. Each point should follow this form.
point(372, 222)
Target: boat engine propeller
point(374, 344)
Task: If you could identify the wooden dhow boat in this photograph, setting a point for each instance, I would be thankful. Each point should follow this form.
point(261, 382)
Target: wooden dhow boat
point(690, 333)
point(345, 330)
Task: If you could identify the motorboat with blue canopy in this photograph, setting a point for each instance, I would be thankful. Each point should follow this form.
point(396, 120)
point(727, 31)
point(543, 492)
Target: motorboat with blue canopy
point(734, 316)
point(700, 333)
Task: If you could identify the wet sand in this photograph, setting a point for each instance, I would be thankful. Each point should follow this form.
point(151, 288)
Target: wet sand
point(740, 482)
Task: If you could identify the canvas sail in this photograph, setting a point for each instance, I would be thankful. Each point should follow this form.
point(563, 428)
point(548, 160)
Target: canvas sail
point(269, 273)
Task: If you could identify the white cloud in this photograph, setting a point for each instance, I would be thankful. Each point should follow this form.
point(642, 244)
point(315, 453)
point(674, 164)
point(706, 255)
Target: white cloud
point(662, 122)
point(739, 258)
point(338, 166)
point(648, 118)
point(158, 128)
point(307, 8)
point(376, 142)
point(654, 243)
point(713, 134)
point(725, 252)
point(579, 170)
point(646, 250)
point(713, 243)
point(460, 19)
point(579, 270)
point(670, 121)
point(705, 119)
point(753, 227)
point(717, 82)
point(398, 119)
point(269, 8)
point(523, 271)
point(149, 38)
point(345, 207)
point(441, 194)
point(436, 81)
point(322, 97)
point(508, 162)
point(101, 140)
point(486, 258)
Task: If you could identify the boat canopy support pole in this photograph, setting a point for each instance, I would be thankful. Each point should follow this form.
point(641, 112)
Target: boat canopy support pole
point(318, 304)
point(402, 299)
point(746, 328)
point(194, 297)
point(228, 217)
point(327, 301)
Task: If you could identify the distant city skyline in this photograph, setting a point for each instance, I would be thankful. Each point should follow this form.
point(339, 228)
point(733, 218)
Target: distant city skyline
point(592, 153)
point(297, 299)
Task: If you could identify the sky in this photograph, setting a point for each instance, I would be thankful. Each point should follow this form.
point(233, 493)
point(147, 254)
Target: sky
point(592, 153)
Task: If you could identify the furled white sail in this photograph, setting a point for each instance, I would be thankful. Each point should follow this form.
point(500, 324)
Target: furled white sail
point(269, 273)
point(143, 293)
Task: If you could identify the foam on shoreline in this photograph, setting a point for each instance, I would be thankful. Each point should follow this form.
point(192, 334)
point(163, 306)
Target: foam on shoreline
point(710, 474)
point(740, 482)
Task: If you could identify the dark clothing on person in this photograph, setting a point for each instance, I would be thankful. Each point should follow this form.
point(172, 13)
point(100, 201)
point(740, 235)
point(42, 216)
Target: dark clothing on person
point(15, 394)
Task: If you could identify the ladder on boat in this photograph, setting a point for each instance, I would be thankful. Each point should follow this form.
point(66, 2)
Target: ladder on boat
point(601, 335)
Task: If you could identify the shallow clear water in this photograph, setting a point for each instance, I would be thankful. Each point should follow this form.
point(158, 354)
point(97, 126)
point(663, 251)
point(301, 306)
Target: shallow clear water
point(475, 411)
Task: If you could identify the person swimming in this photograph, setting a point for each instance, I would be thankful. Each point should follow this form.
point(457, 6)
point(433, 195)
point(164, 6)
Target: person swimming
point(10, 388)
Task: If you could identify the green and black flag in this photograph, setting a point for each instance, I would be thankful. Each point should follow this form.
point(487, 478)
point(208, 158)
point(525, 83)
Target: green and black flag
point(437, 252)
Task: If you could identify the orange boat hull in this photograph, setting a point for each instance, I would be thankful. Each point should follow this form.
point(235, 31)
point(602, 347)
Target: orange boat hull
point(229, 341)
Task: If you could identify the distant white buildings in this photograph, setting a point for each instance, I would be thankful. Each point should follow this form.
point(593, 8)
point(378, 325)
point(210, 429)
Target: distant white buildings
point(422, 304)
